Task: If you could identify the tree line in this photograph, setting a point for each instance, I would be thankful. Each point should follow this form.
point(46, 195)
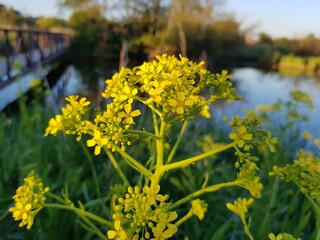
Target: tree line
point(198, 29)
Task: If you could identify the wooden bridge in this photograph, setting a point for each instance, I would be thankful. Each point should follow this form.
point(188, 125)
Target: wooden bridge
point(21, 51)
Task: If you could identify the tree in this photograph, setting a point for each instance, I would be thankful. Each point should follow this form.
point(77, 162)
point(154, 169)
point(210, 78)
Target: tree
point(89, 25)
point(10, 16)
point(81, 4)
point(265, 39)
point(50, 22)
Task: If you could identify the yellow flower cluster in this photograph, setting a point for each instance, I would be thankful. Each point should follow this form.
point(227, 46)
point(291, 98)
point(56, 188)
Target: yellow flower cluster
point(248, 179)
point(199, 208)
point(304, 172)
point(108, 128)
point(143, 215)
point(170, 84)
point(172, 88)
point(248, 132)
point(282, 236)
point(240, 206)
point(71, 121)
point(29, 200)
point(240, 136)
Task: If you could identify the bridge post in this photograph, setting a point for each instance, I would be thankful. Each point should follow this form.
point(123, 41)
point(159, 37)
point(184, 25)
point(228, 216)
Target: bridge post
point(28, 47)
point(7, 47)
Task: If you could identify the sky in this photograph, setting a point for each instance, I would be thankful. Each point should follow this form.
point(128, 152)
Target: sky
point(277, 18)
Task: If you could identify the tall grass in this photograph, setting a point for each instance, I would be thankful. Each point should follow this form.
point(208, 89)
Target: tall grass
point(63, 163)
point(297, 65)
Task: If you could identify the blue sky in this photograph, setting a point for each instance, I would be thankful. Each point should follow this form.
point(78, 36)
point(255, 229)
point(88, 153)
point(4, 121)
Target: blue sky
point(278, 18)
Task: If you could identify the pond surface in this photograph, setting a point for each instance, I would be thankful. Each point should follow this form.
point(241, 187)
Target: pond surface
point(255, 86)
point(259, 88)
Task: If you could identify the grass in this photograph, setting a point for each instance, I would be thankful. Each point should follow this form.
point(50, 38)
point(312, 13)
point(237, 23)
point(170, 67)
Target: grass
point(60, 162)
point(296, 65)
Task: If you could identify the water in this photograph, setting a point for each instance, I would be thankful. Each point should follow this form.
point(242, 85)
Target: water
point(85, 77)
point(255, 86)
point(259, 88)
point(11, 92)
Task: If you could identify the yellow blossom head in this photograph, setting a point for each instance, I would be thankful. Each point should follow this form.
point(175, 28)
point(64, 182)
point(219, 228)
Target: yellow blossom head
point(199, 208)
point(240, 206)
point(143, 213)
point(29, 200)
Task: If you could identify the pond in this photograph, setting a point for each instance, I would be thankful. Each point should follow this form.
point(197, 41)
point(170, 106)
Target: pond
point(256, 87)
point(259, 88)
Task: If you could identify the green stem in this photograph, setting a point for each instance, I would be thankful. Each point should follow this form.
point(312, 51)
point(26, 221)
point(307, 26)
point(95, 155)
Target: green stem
point(116, 165)
point(92, 228)
point(94, 172)
point(246, 229)
point(81, 213)
point(314, 205)
point(186, 162)
point(160, 150)
point(155, 124)
point(208, 189)
point(317, 211)
point(139, 132)
point(318, 228)
point(176, 145)
point(134, 163)
point(57, 198)
point(151, 106)
point(4, 215)
point(271, 204)
point(184, 218)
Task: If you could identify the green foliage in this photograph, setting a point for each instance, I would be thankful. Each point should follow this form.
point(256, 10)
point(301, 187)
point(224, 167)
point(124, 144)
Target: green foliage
point(11, 17)
point(89, 25)
point(22, 135)
point(50, 22)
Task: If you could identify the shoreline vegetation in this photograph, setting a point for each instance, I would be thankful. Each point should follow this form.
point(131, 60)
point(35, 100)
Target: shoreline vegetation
point(297, 65)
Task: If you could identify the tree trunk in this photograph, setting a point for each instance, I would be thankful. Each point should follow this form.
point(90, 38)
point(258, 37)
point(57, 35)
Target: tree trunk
point(182, 40)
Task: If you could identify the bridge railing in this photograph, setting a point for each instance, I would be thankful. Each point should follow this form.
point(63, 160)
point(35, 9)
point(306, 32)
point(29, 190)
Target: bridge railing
point(22, 50)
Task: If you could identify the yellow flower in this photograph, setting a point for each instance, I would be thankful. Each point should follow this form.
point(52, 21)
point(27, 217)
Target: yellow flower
point(317, 142)
point(98, 141)
point(160, 233)
point(128, 94)
point(144, 214)
point(240, 136)
point(128, 115)
point(180, 102)
point(55, 125)
point(118, 233)
point(29, 200)
point(282, 236)
point(199, 208)
point(71, 120)
point(205, 111)
point(240, 206)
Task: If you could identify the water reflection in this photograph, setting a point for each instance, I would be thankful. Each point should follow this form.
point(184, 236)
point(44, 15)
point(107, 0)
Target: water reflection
point(258, 88)
point(85, 77)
